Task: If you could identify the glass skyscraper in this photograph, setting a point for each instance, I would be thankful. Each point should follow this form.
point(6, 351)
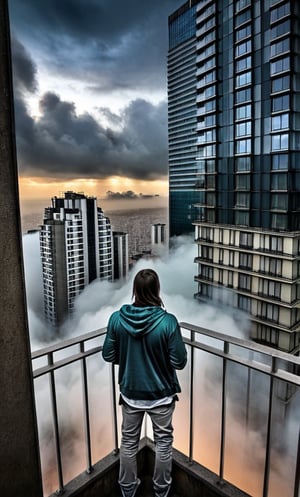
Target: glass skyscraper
point(182, 119)
point(234, 90)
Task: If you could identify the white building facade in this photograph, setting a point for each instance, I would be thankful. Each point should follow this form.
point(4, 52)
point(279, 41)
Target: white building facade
point(76, 248)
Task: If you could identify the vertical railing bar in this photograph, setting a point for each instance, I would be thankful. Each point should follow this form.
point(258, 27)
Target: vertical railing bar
point(191, 414)
point(249, 375)
point(86, 413)
point(297, 473)
point(268, 451)
point(223, 413)
point(55, 426)
point(116, 449)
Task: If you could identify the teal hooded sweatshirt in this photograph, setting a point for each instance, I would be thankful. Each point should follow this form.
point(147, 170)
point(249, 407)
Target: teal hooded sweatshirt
point(147, 345)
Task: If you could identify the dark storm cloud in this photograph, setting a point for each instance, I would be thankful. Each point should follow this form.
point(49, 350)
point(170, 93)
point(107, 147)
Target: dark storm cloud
point(115, 44)
point(110, 46)
point(62, 143)
point(24, 68)
point(126, 195)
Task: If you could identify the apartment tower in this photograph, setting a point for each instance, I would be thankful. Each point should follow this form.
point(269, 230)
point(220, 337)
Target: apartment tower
point(76, 248)
point(234, 155)
point(158, 239)
point(120, 255)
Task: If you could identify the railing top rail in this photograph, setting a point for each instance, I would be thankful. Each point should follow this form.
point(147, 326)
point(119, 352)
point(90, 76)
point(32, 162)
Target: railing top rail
point(68, 343)
point(269, 369)
point(65, 362)
point(273, 354)
point(246, 344)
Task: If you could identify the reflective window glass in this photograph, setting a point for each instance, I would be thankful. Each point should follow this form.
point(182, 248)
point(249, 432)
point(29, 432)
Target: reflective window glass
point(279, 201)
point(243, 112)
point(243, 129)
point(280, 122)
point(281, 29)
point(279, 221)
point(280, 47)
point(244, 63)
point(280, 65)
point(243, 96)
point(242, 200)
point(243, 164)
point(280, 161)
point(243, 32)
point(242, 181)
point(241, 218)
point(279, 12)
point(279, 181)
point(280, 103)
point(280, 84)
point(243, 17)
point(280, 142)
point(243, 48)
point(241, 4)
point(210, 120)
point(244, 79)
point(243, 146)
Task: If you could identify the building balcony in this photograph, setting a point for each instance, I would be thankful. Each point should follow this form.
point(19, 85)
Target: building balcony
point(227, 442)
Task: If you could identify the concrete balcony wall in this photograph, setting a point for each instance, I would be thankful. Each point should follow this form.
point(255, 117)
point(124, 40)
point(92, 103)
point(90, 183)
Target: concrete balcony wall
point(19, 452)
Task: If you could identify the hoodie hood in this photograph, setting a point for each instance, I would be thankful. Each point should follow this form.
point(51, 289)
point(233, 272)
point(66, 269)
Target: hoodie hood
point(138, 321)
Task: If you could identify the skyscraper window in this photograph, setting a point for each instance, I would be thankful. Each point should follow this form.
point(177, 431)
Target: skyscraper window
point(280, 121)
point(280, 65)
point(280, 142)
point(243, 64)
point(244, 79)
point(281, 29)
point(280, 84)
point(243, 112)
point(280, 161)
point(280, 11)
point(280, 47)
point(280, 103)
point(243, 32)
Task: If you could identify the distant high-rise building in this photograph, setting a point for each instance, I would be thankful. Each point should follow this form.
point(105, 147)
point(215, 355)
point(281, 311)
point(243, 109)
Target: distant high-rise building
point(158, 239)
point(182, 119)
point(76, 248)
point(120, 255)
point(234, 152)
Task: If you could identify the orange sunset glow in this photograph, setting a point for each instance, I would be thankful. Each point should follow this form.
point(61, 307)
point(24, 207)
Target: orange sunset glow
point(37, 188)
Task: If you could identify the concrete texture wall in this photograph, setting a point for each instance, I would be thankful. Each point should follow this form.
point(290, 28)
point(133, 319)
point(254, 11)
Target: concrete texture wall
point(19, 455)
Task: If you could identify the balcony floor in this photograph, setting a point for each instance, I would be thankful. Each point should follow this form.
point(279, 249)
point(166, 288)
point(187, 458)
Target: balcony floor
point(189, 480)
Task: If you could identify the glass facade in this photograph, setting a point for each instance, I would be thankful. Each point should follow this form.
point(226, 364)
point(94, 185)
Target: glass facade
point(233, 100)
point(182, 120)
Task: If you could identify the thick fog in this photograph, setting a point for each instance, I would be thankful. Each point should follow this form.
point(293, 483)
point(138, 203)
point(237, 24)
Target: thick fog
point(95, 304)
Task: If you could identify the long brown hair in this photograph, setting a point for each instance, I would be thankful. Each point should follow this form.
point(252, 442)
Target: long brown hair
point(146, 288)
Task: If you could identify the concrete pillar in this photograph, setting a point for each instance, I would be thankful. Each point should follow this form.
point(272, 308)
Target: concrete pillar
point(20, 474)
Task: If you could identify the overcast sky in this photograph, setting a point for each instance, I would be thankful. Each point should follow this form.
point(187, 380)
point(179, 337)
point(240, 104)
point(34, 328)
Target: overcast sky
point(91, 89)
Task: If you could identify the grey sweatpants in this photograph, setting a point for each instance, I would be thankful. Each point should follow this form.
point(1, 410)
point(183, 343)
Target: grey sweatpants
point(161, 418)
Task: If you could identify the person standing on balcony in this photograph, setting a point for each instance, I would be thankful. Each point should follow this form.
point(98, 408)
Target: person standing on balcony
point(146, 342)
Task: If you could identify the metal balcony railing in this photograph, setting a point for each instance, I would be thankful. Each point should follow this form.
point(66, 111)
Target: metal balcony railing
point(231, 360)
